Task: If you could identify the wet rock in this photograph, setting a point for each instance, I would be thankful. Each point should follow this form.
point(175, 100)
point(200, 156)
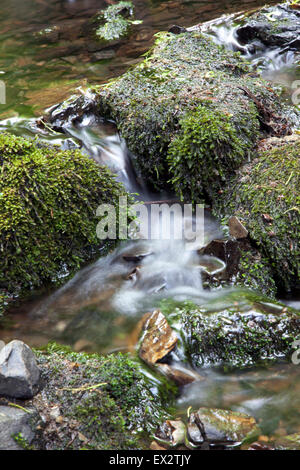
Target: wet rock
point(19, 373)
point(227, 251)
point(16, 428)
point(71, 111)
point(236, 228)
point(181, 376)
point(274, 26)
point(219, 426)
point(245, 266)
point(175, 29)
point(171, 433)
point(236, 329)
point(211, 265)
point(158, 339)
point(2, 344)
point(195, 430)
point(135, 256)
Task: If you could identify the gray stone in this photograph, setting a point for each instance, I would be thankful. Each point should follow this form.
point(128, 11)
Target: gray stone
point(2, 344)
point(15, 426)
point(19, 374)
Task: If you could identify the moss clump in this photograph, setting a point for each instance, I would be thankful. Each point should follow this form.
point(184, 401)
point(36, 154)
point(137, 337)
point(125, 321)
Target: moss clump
point(187, 113)
point(205, 137)
point(255, 273)
point(235, 329)
point(264, 195)
point(115, 21)
point(105, 402)
point(48, 202)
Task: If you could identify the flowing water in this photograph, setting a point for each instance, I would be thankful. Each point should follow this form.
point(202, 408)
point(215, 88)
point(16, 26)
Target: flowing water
point(98, 309)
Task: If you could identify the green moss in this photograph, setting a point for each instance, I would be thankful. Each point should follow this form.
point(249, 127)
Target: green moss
point(22, 442)
point(196, 154)
point(158, 104)
point(255, 273)
point(234, 329)
point(48, 200)
point(265, 196)
point(105, 399)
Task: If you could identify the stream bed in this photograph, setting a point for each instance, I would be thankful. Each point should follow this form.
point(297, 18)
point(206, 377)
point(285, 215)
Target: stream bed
point(98, 309)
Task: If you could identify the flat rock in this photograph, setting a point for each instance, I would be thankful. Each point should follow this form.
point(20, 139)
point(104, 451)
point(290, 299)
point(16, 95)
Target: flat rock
point(19, 374)
point(158, 340)
point(15, 425)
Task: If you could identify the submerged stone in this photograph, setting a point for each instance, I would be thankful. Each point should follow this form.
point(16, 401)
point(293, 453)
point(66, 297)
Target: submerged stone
point(114, 22)
point(290, 442)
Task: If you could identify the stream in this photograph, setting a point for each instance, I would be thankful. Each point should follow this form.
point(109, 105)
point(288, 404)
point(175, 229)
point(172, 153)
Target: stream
point(98, 309)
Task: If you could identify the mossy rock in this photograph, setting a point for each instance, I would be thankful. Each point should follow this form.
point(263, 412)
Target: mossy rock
point(48, 202)
point(274, 26)
point(104, 402)
point(236, 329)
point(264, 195)
point(187, 113)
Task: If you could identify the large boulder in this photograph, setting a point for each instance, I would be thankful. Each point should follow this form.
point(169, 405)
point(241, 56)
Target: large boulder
point(48, 202)
point(190, 113)
point(264, 195)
